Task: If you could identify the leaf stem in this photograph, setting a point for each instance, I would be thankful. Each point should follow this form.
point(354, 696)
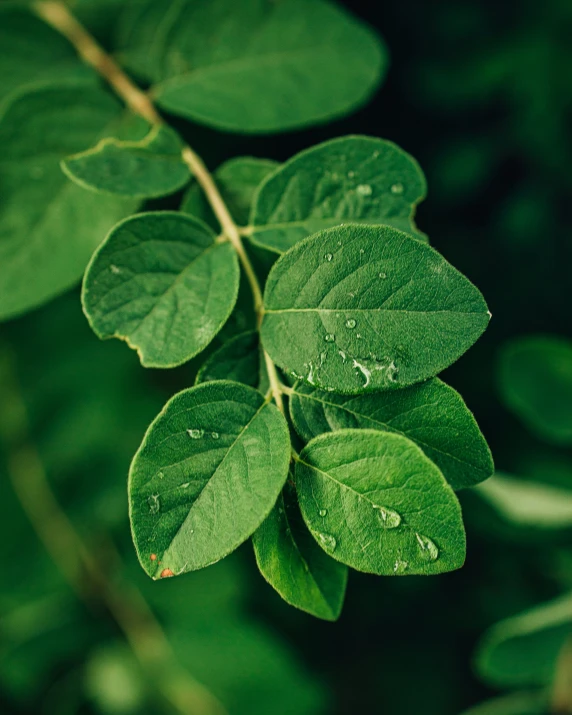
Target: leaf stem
point(57, 15)
point(80, 569)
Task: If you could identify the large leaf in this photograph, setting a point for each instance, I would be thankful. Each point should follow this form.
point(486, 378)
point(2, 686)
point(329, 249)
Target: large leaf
point(363, 308)
point(254, 65)
point(375, 502)
point(524, 650)
point(150, 167)
point(529, 503)
point(49, 227)
point(207, 474)
point(353, 179)
point(32, 53)
point(237, 181)
point(292, 563)
point(535, 379)
point(431, 414)
point(161, 282)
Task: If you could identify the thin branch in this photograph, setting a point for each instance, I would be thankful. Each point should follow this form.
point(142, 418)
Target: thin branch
point(80, 569)
point(59, 17)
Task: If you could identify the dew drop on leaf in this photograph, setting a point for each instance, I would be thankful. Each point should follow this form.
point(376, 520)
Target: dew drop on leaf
point(323, 512)
point(364, 189)
point(383, 276)
point(429, 550)
point(329, 338)
point(400, 566)
point(389, 518)
point(397, 188)
point(351, 323)
point(215, 435)
point(328, 257)
point(328, 541)
point(195, 433)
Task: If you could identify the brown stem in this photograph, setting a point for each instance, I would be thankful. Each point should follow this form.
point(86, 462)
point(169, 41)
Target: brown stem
point(561, 701)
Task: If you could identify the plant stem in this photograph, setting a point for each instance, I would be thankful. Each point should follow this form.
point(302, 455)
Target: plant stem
point(60, 18)
point(561, 699)
point(80, 569)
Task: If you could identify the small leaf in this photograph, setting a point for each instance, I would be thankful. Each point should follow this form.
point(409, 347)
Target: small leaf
point(353, 179)
point(362, 308)
point(375, 502)
point(161, 282)
point(293, 564)
point(528, 503)
point(524, 649)
point(147, 168)
point(240, 360)
point(237, 181)
point(49, 227)
point(432, 415)
point(254, 66)
point(535, 376)
point(207, 474)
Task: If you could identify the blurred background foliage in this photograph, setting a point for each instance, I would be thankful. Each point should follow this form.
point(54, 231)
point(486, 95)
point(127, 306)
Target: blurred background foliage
point(480, 92)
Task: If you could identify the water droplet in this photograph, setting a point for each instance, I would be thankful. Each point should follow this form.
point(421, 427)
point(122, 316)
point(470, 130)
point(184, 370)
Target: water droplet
point(364, 371)
point(429, 550)
point(364, 189)
point(195, 433)
point(323, 512)
point(327, 541)
point(215, 435)
point(400, 566)
point(185, 485)
point(328, 257)
point(350, 323)
point(383, 276)
point(342, 355)
point(330, 338)
point(310, 377)
point(154, 504)
point(160, 475)
point(114, 269)
point(389, 518)
point(351, 174)
point(397, 188)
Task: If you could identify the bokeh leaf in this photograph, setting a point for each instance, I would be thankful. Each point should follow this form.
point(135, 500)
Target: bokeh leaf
point(207, 474)
point(254, 66)
point(163, 283)
point(363, 308)
point(431, 414)
point(353, 179)
point(375, 502)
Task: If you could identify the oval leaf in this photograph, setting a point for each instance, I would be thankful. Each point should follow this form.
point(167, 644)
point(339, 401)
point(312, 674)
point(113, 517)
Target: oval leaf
point(349, 180)
point(147, 168)
point(49, 227)
point(237, 181)
point(207, 474)
point(295, 566)
point(362, 308)
point(536, 383)
point(162, 283)
point(254, 66)
point(432, 415)
point(375, 502)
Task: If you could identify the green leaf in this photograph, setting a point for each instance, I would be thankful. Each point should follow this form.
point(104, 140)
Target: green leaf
point(432, 415)
point(49, 227)
point(254, 66)
point(528, 503)
point(150, 167)
point(353, 179)
point(293, 564)
point(535, 377)
point(524, 649)
point(513, 704)
point(34, 53)
point(237, 181)
point(161, 282)
point(375, 502)
point(362, 308)
point(207, 474)
point(240, 360)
